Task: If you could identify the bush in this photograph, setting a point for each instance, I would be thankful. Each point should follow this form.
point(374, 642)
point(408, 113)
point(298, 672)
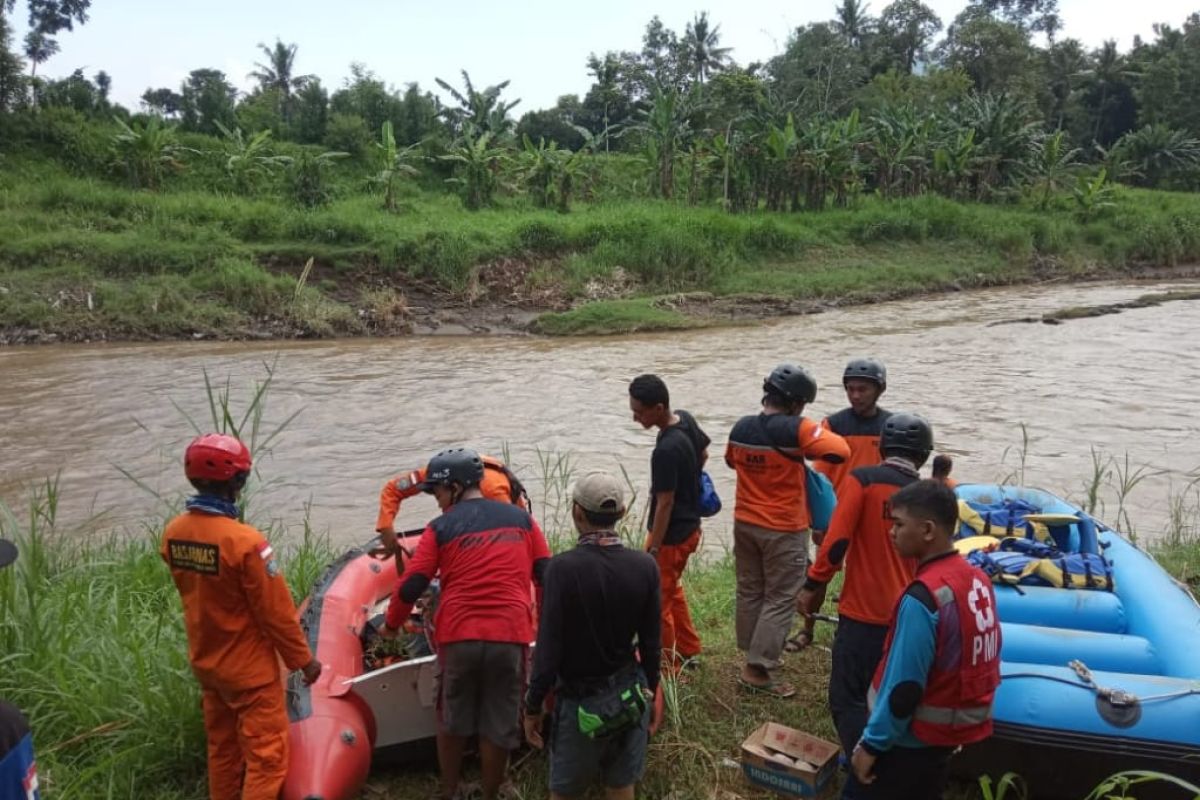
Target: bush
point(348, 133)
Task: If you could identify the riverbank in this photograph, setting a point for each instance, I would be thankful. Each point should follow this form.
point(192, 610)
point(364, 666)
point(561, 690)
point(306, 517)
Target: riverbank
point(84, 260)
point(96, 656)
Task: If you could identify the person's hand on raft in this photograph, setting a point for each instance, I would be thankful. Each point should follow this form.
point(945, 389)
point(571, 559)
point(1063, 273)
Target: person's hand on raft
point(311, 671)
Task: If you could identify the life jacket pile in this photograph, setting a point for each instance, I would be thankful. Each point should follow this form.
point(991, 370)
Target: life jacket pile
point(1025, 562)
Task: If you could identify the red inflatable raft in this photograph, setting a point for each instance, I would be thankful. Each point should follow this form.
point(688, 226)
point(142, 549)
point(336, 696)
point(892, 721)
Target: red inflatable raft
point(340, 722)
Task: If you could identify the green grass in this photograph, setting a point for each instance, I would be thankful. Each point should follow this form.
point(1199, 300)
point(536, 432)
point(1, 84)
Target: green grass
point(188, 260)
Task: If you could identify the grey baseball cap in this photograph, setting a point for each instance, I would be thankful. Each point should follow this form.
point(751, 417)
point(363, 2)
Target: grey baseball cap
point(599, 492)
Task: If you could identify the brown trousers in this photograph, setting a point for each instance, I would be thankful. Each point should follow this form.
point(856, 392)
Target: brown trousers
point(770, 569)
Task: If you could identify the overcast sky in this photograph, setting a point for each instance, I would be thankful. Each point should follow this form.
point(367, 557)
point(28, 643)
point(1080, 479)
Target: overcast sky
point(542, 46)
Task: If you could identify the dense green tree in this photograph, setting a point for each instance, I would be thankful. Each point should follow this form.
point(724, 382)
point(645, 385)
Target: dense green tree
point(312, 114)
point(348, 133)
point(12, 68)
point(418, 116)
point(206, 99)
point(1035, 15)
point(996, 54)
point(47, 19)
point(559, 124)
point(1106, 94)
point(906, 30)
point(819, 70)
point(163, 102)
point(366, 97)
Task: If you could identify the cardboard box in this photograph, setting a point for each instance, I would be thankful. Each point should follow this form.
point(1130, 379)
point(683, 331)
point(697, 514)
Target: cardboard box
point(805, 770)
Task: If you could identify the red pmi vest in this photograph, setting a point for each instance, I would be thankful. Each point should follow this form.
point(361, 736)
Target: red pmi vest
point(956, 707)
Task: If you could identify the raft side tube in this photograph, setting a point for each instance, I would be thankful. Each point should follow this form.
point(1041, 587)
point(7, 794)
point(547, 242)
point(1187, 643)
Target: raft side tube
point(1050, 607)
point(1115, 652)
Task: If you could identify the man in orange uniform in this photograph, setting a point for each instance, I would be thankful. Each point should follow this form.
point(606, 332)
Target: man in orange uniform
point(499, 483)
point(864, 379)
point(770, 517)
point(876, 575)
point(240, 621)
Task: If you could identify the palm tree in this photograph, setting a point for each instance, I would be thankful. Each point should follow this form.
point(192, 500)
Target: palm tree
point(1053, 162)
point(852, 22)
point(701, 46)
point(39, 48)
point(276, 73)
point(1108, 72)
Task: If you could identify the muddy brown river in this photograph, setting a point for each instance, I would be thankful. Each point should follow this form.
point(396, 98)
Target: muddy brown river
point(1121, 384)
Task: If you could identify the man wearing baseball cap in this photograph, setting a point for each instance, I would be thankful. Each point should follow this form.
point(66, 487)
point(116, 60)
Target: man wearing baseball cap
point(18, 770)
point(598, 648)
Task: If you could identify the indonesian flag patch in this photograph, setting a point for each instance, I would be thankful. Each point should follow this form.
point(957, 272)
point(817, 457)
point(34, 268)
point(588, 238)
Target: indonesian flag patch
point(267, 554)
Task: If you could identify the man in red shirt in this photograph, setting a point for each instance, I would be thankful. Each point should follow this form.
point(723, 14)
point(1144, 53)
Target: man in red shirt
point(486, 553)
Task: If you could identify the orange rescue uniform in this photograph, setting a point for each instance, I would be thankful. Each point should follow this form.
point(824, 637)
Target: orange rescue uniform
point(771, 486)
point(860, 536)
point(862, 434)
point(496, 485)
point(240, 621)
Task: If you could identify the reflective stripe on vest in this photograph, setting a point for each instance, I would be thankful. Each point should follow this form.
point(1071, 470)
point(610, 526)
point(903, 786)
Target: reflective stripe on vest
point(940, 715)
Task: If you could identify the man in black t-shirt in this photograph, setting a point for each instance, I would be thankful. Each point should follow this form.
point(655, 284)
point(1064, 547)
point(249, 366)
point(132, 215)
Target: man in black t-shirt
point(599, 608)
point(679, 454)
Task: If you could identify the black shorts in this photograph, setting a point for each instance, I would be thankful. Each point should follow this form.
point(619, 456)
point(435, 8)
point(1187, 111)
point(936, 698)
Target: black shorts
point(577, 761)
point(479, 690)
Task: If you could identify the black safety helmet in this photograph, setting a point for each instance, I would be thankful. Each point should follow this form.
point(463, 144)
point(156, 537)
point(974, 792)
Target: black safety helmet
point(909, 435)
point(456, 465)
point(868, 369)
point(796, 384)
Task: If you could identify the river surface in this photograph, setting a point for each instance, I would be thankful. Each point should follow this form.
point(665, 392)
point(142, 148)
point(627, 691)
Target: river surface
point(1122, 384)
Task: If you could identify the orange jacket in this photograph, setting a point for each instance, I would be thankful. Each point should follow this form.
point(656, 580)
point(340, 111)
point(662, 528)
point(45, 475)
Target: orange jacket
point(237, 608)
point(860, 536)
point(770, 486)
point(862, 434)
point(495, 486)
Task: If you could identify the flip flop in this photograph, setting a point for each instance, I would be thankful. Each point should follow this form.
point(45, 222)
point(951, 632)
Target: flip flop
point(775, 689)
point(798, 642)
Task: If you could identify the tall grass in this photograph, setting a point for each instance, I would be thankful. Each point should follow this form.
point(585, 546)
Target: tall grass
point(196, 249)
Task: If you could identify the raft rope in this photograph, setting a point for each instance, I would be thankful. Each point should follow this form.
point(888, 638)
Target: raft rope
point(1117, 697)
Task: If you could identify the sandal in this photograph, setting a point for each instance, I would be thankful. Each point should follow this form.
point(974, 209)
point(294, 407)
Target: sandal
point(777, 689)
point(798, 642)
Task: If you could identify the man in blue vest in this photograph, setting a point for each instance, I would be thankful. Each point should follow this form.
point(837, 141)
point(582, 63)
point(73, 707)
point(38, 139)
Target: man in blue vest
point(18, 771)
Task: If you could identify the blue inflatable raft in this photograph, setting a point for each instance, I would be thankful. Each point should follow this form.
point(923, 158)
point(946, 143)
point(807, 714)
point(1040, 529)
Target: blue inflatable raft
point(1094, 681)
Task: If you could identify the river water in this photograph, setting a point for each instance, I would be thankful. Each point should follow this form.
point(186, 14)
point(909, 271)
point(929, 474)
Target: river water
point(1121, 384)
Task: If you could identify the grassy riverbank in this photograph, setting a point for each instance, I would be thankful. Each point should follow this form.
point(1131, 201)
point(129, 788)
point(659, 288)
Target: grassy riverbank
point(82, 258)
point(94, 652)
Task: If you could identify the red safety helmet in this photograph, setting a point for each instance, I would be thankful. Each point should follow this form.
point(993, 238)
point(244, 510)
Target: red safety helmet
point(216, 457)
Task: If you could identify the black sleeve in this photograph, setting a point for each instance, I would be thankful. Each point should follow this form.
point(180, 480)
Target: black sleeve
point(650, 630)
point(664, 468)
point(547, 656)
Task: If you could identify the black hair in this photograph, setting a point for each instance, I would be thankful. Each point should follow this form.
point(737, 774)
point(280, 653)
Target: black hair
point(776, 399)
point(220, 488)
point(942, 465)
point(603, 519)
point(649, 390)
point(931, 500)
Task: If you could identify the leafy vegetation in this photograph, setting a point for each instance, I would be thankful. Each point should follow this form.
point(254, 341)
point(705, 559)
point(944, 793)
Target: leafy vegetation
point(868, 159)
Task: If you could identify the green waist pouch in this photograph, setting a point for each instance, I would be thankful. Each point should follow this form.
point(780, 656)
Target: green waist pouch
point(615, 709)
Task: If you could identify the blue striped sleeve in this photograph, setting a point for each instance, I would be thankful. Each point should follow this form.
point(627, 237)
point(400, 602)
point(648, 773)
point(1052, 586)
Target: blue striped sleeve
point(904, 675)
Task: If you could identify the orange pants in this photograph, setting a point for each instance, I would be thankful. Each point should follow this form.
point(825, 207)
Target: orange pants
point(679, 638)
point(247, 742)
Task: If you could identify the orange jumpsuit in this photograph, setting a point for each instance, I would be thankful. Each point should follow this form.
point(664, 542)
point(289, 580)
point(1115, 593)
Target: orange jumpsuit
point(495, 486)
point(862, 434)
point(239, 615)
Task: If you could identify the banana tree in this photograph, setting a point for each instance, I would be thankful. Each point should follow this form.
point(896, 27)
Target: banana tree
point(477, 165)
point(147, 151)
point(1052, 164)
point(395, 163)
point(954, 164)
point(780, 145)
point(249, 162)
